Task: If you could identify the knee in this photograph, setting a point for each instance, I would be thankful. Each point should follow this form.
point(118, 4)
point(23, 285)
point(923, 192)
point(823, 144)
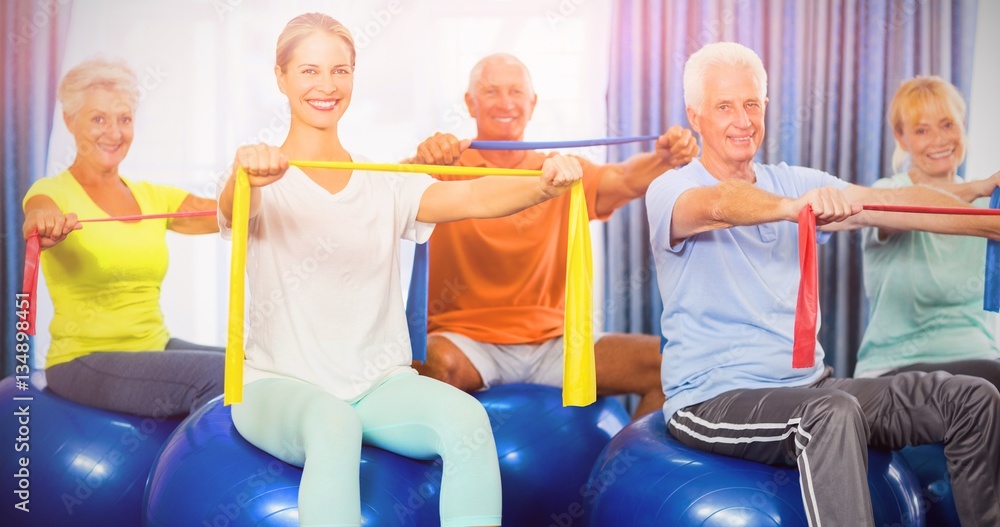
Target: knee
point(210, 383)
point(474, 413)
point(975, 392)
point(992, 373)
point(444, 362)
point(835, 409)
point(467, 410)
point(329, 421)
point(469, 424)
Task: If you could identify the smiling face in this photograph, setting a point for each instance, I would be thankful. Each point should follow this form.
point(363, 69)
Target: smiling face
point(935, 140)
point(102, 128)
point(318, 80)
point(501, 101)
point(731, 119)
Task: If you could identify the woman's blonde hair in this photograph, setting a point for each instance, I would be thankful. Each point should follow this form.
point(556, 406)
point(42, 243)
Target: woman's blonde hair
point(112, 75)
point(302, 26)
point(913, 99)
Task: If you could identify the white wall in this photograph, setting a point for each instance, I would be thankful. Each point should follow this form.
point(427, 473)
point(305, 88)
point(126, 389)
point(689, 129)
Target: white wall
point(984, 103)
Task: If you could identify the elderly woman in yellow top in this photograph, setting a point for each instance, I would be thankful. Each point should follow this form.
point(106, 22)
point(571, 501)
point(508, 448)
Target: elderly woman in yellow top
point(110, 346)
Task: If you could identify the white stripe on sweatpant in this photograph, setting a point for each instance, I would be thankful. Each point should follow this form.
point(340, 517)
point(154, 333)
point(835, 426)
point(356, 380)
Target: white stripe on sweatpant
point(805, 473)
point(735, 426)
point(805, 482)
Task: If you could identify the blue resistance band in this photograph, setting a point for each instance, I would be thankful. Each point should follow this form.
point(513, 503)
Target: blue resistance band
point(416, 303)
point(537, 145)
point(991, 292)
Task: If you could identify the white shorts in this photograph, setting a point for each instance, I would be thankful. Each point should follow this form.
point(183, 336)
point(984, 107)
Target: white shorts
point(513, 363)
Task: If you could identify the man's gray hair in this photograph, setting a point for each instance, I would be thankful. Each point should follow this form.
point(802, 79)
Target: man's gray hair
point(728, 55)
point(497, 58)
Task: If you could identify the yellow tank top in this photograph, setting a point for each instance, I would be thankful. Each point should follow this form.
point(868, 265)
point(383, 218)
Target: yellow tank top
point(104, 280)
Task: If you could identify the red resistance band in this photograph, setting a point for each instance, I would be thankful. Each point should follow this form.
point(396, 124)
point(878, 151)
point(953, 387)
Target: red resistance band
point(807, 305)
point(33, 251)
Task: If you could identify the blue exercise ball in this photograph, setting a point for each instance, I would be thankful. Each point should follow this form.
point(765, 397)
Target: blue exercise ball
point(931, 468)
point(546, 450)
point(645, 477)
point(73, 465)
point(207, 475)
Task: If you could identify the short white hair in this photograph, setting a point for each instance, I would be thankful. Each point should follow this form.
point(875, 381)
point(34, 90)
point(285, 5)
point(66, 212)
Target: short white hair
point(112, 75)
point(729, 55)
point(497, 58)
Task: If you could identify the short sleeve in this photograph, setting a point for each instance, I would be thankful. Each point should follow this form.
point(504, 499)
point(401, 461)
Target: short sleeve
point(49, 188)
point(225, 227)
point(171, 197)
point(807, 179)
point(410, 189)
point(661, 197)
point(157, 199)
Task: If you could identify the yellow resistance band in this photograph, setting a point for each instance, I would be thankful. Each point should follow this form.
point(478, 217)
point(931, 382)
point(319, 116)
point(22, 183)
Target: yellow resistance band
point(579, 379)
point(579, 375)
point(233, 379)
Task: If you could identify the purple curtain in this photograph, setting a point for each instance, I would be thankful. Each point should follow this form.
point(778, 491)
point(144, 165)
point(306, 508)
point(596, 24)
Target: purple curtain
point(34, 36)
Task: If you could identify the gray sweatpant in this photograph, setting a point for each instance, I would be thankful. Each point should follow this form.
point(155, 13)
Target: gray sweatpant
point(985, 368)
point(825, 429)
point(175, 381)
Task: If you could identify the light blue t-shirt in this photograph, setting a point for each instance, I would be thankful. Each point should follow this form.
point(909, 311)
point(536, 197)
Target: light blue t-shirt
point(926, 296)
point(729, 295)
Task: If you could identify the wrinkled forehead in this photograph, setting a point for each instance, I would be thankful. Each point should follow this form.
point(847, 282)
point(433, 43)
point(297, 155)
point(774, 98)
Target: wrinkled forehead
point(504, 75)
point(106, 99)
point(734, 84)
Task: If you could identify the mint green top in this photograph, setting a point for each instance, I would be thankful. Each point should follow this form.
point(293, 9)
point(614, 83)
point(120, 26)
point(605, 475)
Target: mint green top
point(926, 298)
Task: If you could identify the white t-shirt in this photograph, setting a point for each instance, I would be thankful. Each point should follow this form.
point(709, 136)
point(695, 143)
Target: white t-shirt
point(326, 306)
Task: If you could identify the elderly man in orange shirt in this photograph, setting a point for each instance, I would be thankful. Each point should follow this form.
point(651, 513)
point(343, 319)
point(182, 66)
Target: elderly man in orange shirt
point(496, 288)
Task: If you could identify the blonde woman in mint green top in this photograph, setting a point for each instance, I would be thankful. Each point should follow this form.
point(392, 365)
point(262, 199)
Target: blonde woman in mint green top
point(925, 290)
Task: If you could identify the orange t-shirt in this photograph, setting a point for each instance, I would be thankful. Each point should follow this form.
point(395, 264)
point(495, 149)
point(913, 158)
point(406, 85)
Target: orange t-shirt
point(503, 280)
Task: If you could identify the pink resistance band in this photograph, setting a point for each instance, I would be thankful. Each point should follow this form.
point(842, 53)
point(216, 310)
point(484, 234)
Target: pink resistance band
point(807, 305)
point(33, 251)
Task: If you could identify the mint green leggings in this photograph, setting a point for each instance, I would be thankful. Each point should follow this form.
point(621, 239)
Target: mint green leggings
point(414, 416)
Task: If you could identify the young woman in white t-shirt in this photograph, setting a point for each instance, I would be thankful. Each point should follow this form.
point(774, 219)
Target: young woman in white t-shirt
point(328, 354)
